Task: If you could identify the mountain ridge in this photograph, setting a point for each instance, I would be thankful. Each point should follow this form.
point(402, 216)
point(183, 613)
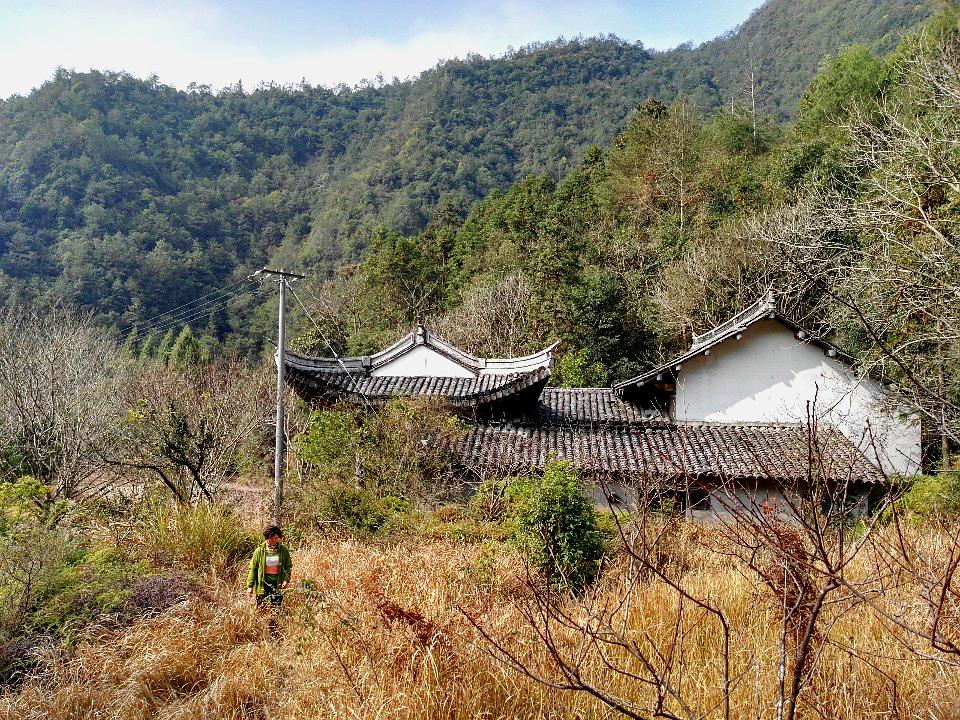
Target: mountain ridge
point(127, 197)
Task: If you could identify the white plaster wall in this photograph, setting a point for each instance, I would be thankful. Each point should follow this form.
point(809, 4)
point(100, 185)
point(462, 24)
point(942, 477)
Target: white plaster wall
point(770, 376)
point(422, 361)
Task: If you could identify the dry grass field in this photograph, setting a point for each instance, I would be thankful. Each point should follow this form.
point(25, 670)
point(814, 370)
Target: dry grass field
point(388, 631)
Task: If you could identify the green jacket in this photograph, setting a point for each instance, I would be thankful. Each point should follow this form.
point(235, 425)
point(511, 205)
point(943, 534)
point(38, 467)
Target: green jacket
point(258, 565)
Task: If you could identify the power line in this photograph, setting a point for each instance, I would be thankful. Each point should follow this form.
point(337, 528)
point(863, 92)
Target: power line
point(153, 319)
point(201, 311)
point(356, 386)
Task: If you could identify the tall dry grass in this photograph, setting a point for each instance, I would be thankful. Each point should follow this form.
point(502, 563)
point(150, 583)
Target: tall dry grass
point(381, 631)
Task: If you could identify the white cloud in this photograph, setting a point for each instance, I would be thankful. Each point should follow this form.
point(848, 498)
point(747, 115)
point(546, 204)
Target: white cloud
point(183, 42)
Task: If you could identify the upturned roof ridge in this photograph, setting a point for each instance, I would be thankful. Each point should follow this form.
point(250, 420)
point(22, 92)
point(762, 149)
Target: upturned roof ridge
point(763, 308)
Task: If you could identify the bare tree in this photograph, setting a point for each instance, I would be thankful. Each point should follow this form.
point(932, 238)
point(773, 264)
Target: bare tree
point(491, 320)
point(60, 381)
point(193, 429)
point(798, 545)
point(592, 643)
point(883, 248)
point(928, 561)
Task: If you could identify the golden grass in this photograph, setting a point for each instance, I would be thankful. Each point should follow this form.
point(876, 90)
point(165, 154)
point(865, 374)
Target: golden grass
point(383, 636)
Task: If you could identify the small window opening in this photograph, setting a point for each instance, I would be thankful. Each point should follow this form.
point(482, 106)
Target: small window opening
point(699, 499)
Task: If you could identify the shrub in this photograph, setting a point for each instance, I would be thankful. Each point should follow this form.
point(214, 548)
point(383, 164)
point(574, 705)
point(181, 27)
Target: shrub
point(931, 496)
point(397, 450)
point(329, 445)
point(201, 537)
point(358, 509)
point(53, 579)
point(89, 583)
point(557, 527)
point(580, 369)
point(491, 500)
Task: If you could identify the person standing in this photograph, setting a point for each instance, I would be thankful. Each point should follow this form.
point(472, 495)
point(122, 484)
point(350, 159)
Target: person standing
point(270, 569)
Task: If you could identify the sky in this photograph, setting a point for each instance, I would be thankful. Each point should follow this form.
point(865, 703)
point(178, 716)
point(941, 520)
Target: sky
point(218, 42)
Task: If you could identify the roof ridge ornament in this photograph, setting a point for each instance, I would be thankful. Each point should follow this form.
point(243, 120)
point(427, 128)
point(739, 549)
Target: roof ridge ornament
point(766, 304)
point(763, 308)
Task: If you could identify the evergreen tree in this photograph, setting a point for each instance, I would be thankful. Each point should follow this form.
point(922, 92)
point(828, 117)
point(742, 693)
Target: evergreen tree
point(217, 325)
point(186, 351)
point(131, 346)
point(148, 349)
point(166, 345)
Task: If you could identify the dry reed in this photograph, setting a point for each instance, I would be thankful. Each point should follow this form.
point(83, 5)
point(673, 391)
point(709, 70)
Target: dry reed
point(384, 631)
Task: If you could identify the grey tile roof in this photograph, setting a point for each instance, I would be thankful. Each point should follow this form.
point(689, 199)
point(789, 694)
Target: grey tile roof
point(420, 337)
point(664, 451)
point(585, 407)
point(458, 392)
point(763, 309)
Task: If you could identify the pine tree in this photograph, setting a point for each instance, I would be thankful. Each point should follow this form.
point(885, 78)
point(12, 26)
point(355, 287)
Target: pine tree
point(166, 345)
point(131, 345)
point(217, 324)
point(148, 349)
point(186, 351)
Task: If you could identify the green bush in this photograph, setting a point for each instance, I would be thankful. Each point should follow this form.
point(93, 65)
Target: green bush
point(359, 509)
point(931, 496)
point(89, 583)
point(202, 537)
point(330, 443)
point(397, 450)
point(580, 369)
point(491, 500)
point(53, 583)
point(557, 527)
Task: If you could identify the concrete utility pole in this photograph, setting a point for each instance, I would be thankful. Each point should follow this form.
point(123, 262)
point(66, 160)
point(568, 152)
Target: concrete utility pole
point(282, 278)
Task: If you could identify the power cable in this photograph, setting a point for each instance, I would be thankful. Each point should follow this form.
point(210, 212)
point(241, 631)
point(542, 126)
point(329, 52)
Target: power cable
point(155, 318)
point(356, 386)
point(199, 312)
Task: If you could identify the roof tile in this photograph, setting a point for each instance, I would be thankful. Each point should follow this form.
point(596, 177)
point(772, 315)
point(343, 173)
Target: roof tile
point(664, 451)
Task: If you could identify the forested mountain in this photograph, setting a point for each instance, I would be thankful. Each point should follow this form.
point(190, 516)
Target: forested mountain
point(851, 214)
point(129, 198)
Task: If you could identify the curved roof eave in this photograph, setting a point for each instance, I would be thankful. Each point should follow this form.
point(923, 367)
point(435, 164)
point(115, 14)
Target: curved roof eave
point(423, 337)
point(763, 309)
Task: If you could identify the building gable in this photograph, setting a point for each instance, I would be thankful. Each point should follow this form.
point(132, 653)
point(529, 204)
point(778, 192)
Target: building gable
point(423, 361)
point(761, 366)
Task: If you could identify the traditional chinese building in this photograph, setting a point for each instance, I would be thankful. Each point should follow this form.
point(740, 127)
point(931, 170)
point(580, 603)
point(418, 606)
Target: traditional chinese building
point(736, 409)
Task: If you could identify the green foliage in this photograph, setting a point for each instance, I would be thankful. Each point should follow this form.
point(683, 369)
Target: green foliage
point(149, 349)
point(358, 509)
point(330, 443)
point(186, 351)
point(396, 450)
point(575, 369)
point(491, 500)
point(130, 198)
point(204, 538)
point(816, 143)
point(557, 526)
point(26, 500)
point(90, 583)
point(53, 581)
point(165, 347)
point(931, 496)
point(853, 77)
point(131, 346)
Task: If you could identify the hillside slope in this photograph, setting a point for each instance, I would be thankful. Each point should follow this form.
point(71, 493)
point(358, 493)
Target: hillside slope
point(129, 198)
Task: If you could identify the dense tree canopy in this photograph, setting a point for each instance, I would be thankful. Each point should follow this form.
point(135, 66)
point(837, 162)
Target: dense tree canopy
point(130, 199)
point(850, 213)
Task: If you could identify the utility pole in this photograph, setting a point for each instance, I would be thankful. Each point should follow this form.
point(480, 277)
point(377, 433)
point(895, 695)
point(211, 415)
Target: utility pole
point(282, 278)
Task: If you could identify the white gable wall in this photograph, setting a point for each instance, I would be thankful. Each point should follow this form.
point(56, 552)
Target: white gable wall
point(423, 361)
point(770, 376)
